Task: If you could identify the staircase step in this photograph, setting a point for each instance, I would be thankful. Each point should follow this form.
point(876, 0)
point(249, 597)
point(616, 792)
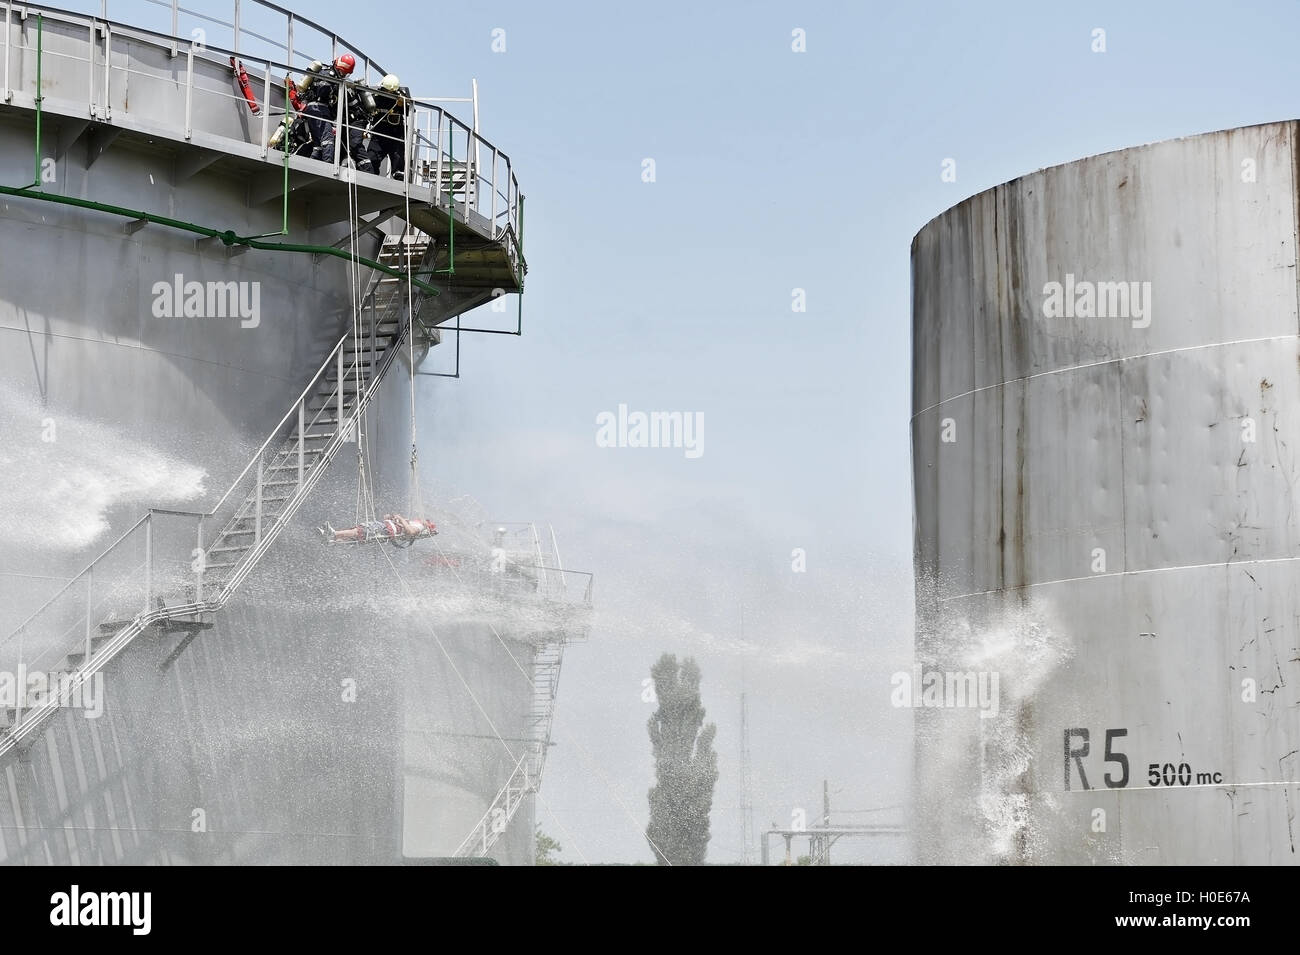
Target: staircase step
point(268, 522)
point(349, 379)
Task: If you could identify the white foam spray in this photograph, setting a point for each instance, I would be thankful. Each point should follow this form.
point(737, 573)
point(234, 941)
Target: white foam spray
point(67, 472)
point(978, 773)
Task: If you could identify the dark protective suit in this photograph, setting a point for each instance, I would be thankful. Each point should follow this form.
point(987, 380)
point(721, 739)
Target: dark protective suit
point(322, 107)
point(388, 131)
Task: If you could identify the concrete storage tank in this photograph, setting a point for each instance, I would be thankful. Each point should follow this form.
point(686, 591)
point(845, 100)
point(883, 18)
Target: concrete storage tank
point(1106, 449)
point(267, 699)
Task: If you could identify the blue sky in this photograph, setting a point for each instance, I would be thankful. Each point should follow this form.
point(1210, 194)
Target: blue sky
point(775, 170)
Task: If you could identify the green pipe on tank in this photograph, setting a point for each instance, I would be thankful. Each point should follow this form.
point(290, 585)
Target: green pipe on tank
point(227, 238)
point(284, 224)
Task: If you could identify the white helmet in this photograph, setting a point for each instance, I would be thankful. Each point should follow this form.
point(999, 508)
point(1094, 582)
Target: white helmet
point(391, 83)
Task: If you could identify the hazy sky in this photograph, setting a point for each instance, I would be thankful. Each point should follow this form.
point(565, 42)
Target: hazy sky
point(775, 171)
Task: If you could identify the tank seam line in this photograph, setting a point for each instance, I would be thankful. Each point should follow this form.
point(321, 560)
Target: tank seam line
point(155, 351)
point(1099, 364)
point(1123, 573)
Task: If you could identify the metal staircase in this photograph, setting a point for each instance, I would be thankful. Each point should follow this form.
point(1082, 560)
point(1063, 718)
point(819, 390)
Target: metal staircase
point(250, 515)
point(526, 776)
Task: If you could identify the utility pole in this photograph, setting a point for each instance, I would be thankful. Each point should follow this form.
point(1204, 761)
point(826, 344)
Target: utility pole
point(826, 821)
point(746, 784)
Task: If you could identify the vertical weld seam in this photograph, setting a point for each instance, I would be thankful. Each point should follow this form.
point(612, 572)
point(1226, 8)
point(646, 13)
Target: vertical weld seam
point(1001, 405)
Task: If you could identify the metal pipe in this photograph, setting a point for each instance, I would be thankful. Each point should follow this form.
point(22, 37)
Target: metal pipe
point(339, 131)
point(90, 70)
point(443, 374)
point(108, 62)
point(189, 93)
point(451, 196)
point(148, 560)
point(471, 174)
point(266, 111)
point(40, 99)
point(236, 25)
point(90, 610)
point(203, 560)
point(20, 698)
point(437, 150)
point(257, 505)
point(302, 429)
point(9, 14)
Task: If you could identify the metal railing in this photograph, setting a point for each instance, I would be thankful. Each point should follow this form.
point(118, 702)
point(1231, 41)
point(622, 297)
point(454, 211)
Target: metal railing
point(526, 777)
point(449, 165)
point(518, 545)
point(163, 567)
point(254, 28)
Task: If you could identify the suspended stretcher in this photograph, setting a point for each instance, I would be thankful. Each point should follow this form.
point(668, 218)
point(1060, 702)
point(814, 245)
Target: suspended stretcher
point(391, 530)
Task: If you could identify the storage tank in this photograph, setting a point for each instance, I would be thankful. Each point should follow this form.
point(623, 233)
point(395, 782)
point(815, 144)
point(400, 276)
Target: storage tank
point(338, 707)
point(1105, 441)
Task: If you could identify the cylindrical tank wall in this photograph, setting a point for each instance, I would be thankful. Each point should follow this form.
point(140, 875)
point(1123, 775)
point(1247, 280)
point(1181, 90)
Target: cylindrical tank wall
point(1105, 434)
point(240, 744)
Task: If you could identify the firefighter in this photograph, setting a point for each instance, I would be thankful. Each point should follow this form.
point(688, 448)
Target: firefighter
point(322, 98)
point(388, 127)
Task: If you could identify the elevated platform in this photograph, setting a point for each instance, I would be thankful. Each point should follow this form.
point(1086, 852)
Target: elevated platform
point(107, 85)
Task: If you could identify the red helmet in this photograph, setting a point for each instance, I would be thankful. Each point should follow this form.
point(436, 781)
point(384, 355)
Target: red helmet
point(345, 64)
point(430, 526)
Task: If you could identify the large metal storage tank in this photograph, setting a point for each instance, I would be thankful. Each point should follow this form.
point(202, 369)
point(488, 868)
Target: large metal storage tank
point(246, 721)
point(1106, 509)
